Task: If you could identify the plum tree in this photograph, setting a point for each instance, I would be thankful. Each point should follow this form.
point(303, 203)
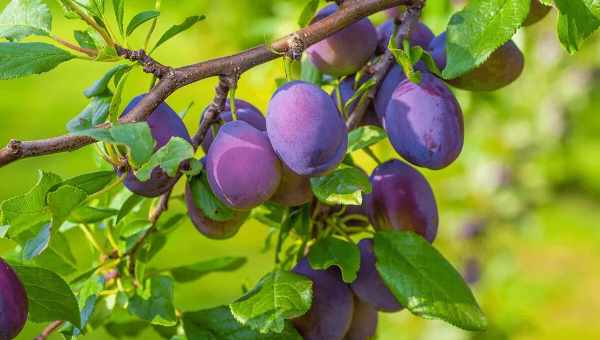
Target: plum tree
point(243, 171)
point(13, 303)
point(346, 51)
point(421, 35)
point(245, 112)
point(294, 190)
point(537, 12)
point(401, 199)
point(299, 113)
point(364, 322)
point(425, 123)
point(210, 228)
point(348, 88)
point(164, 124)
point(332, 306)
point(369, 286)
point(502, 67)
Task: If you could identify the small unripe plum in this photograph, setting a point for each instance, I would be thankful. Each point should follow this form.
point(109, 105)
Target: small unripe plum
point(472, 270)
point(332, 306)
point(14, 305)
point(243, 171)
point(401, 199)
point(306, 129)
point(364, 322)
point(421, 35)
point(382, 98)
point(537, 12)
point(425, 123)
point(369, 286)
point(502, 67)
point(347, 90)
point(164, 124)
point(294, 190)
point(218, 230)
point(346, 51)
point(245, 112)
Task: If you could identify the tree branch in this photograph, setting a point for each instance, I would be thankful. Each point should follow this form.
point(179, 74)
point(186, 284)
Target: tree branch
point(49, 330)
point(173, 79)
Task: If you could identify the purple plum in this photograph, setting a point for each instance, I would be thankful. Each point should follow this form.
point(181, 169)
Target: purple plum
point(218, 230)
point(164, 124)
point(537, 12)
point(14, 305)
point(502, 67)
point(245, 112)
point(425, 122)
point(401, 199)
point(243, 171)
point(394, 77)
point(346, 51)
point(332, 306)
point(369, 286)
point(364, 322)
point(294, 190)
point(421, 35)
point(306, 129)
point(347, 90)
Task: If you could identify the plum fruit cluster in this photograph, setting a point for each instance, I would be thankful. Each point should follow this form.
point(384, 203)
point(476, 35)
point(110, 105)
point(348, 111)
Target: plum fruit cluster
point(13, 303)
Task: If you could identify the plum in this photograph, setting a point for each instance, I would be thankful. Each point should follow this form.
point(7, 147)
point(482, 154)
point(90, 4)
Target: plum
point(401, 199)
point(421, 35)
point(394, 77)
point(306, 129)
point(13, 303)
point(294, 190)
point(164, 124)
point(346, 51)
point(424, 123)
point(243, 171)
point(369, 286)
point(502, 67)
point(364, 322)
point(246, 112)
point(332, 306)
point(347, 90)
point(537, 12)
point(212, 229)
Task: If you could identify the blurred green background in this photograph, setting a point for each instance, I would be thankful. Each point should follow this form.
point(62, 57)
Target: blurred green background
point(529, 171)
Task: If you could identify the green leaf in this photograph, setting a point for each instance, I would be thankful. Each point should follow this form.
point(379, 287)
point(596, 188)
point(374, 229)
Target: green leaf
point(310, 73)
point(38, 244)
point(63, 201)
point(424, 281)
point(90, 215)
point(55, 256)
point(50, 298)
point(199, 269)
point(176, 29)
point(95, 113)
point(366, 86)
point(404, 57)
point(136, 136)
point(218, 324)
point(478, 30)
point(92, 182)
point(139, 19)
point(155, 302)
point(22, 18)
point(169, 157)
point(279, 295)
point(331, 251)
point(115, 104)
point(100, 86)
point(364, 136)
point(308, 12)
point(93, 7)
point(119, 8)
point(130, 203)
point(577, 20)
point(84, 39)
point(24, 59)
point(88, 297)
point(206, 200)
point(343, 186)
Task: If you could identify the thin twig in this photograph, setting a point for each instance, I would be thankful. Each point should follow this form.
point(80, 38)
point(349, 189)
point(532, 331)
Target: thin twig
point(87, 51)
point(55, 325)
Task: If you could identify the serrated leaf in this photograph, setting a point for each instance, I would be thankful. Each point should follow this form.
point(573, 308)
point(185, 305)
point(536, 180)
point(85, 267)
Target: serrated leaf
point(63, 201)
point(206, 200)
point(130, 203)
point(424, 281)
point(176, 29)
point(100, 86)
point(343, 186)
point(365, 136)
point(119, 8)
point(168, 157)
point(577, 20)
point(279, 295)
point(139, 19)
point(155, 303)
point(308, 12)
point(90, 215)
point(84, 39)
point(115, 104)
point(24, 59)
point(50, 298)
point(218, 324)
point(478, 30)
point(331, 251)
point(95, 113)
point(92, 182)
point(22, 18)
point(56, 255)
point(199, 269)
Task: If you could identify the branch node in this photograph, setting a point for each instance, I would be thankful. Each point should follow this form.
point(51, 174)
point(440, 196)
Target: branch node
point(296, 46)
point(149, 65)
point(15, 147)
